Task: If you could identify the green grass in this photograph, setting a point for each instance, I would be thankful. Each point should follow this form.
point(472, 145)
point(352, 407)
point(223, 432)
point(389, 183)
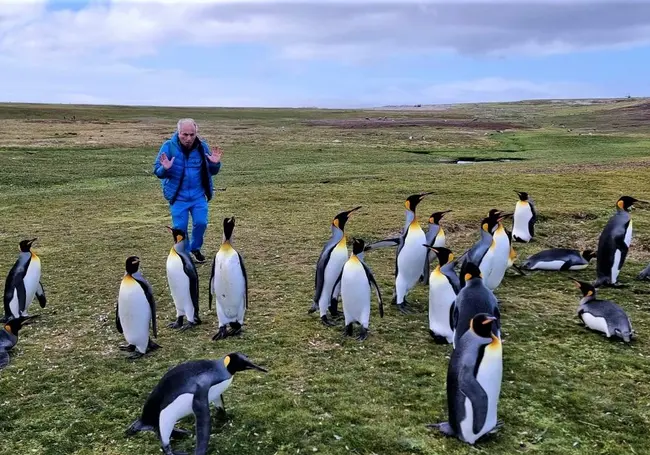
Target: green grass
point(68, 390)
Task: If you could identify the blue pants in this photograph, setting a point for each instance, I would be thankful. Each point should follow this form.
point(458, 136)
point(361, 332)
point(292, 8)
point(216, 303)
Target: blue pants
point(181, 211)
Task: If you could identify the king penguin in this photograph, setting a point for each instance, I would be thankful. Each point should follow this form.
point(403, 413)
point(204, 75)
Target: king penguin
point(478, 253)
point(135, 311)
point(186, 389)
point(559, 259)
point(436, 238)
point(411, 253)
point(525, 217)
point(228, 284)
point(183, 282)
point(444, 286)
point(499, 254)
point(356, 282)
point(9, 338)
point(23, 282)
point(614, 243)
point(330, 263)
point(602, 315)
point(474, 377)
point(472, 299)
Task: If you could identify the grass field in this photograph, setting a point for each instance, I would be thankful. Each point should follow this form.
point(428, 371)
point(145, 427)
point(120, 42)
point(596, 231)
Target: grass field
point(80, 179)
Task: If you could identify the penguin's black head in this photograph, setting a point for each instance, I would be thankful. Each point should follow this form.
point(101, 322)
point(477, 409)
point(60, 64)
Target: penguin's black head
point(26, 245)
point(481, 324)
point(626, 202)
point(413, 200)
point(437, 216)
point(342, 218)
point(589, 254)
point(358, 245)
point(13, 325)
point(472, 271)
point(523, 196)
point(236, 361)
point(444, 255)
point(132, 264)
point(178, 234)
point(587, 289)
point(489, 224)
point(228, 227)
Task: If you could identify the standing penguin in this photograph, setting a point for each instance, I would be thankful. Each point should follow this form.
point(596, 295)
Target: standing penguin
point(135, 310)
point(330, 263)
point(9, 338)
point(602, 315)
point(500, 254)
point(525, 217)
point(411, 253)
point(23, 282)
point(356, 281)
point(183, 282)
point(474, 377)
point(614, 243)
point(559, 259)
point(479, 253)
point(185, 389)
point(435, 237)
point(472, 299)
point(228, 284)
point(444, 286)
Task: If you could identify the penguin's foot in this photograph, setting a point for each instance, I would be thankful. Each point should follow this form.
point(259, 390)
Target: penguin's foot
point(347, 331)
point(177, 324)
point(326, 322)
point(443, 428)
point(189, 325)
point(178, 433)
point(128, 348)
point(135, 355)
point(167, 450)
point(152, 346)
point(497, 427)
point(363, 334)
point(221, 334)
point(314, 307)
point(404, 308)
point(235, 329)
point(438, 339)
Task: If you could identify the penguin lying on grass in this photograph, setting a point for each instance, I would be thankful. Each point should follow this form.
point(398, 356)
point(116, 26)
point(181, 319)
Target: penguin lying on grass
point(474, 379)
point(186, 389)
point(603, 315)
point(559, 259)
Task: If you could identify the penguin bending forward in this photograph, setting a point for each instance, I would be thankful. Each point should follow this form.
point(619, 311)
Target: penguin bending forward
point(444, 286)
point(474, 377)
point(559, 259)
point(23, 282)
point(330, 263)
point(135, 310)
point(603, 315)
point(183, 282)
point(228, 285)
point(9, 338)
point(614, 243)
point(525, 217)
point(185, 389)
point(356, 281)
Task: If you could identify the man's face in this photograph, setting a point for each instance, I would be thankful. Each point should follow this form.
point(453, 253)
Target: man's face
point(187, 134)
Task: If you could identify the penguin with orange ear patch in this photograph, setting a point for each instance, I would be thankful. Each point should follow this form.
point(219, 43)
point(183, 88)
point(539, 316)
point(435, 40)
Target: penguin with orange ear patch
point(9, 338)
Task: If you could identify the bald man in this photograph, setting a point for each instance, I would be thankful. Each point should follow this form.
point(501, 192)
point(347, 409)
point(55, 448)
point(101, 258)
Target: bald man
point(185, 165)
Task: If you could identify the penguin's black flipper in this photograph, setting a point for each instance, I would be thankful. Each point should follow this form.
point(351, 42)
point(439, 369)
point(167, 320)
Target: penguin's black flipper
point(22, 296)
point(374, 284)
point(40, 295)
point(148, 292)
point(214, 264)
point(201, 408)
point(243, 271)
point(118, 324)
point(471, 388)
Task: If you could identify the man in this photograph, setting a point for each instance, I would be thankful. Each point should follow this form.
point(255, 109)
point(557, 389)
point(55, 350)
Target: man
point(185, 164)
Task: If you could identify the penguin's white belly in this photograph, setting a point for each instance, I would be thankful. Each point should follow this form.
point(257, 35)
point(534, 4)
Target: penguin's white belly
point(179, 284)
point(412, 256)
point(486, 263)
point(521, 218)
point(498, 263)
point(628, 234)
point(547, 265)
point(578, 267)
point(440, 240)
point(182, 404)
point(441, 297)
point(595, 323)
point(31, 280)
point(229, 286)
point(355, 293)
point(489, 376)
point(13, 305)
point(616, 265)
point(135, 315)
point(335, 264)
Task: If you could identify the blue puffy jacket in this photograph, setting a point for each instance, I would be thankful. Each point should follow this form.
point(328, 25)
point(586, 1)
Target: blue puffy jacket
point(190, 176)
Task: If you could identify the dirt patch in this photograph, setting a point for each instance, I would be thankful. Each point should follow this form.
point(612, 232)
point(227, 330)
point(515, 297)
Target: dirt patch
point(386, 122)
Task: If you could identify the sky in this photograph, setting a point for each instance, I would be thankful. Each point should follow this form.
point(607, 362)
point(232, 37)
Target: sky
point(321, 53)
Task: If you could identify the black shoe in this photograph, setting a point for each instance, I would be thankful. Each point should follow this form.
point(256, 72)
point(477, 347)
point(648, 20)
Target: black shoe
point(198, 256)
